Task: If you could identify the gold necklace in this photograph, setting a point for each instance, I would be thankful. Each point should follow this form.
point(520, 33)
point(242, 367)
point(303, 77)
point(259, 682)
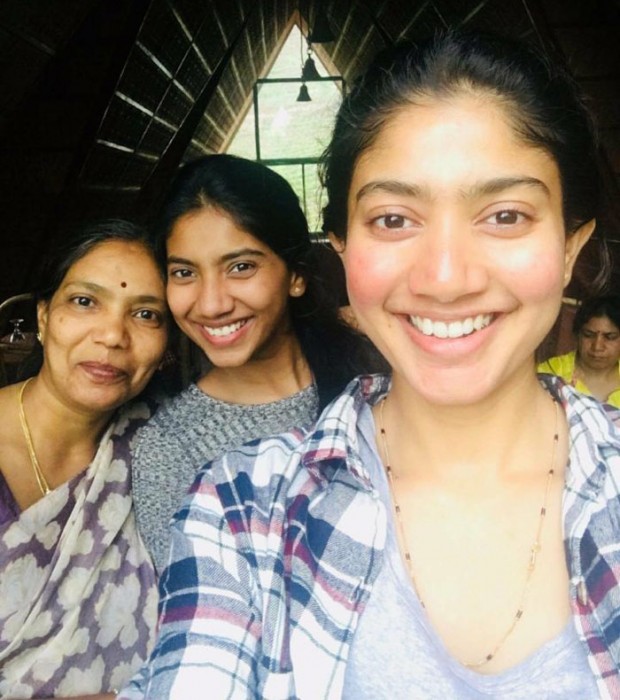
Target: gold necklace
point(535, 548)
point(36, 468)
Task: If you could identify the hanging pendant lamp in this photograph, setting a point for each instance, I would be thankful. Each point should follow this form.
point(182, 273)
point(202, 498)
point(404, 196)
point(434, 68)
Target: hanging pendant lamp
point(309, 70)
point(304, 95)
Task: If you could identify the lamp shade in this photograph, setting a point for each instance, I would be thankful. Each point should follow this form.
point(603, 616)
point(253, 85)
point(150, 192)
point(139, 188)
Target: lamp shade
point(304, 95)
point(309, 71)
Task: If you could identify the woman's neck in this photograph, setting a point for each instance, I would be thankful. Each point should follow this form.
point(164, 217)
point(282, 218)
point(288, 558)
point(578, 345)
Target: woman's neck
point(600, 383)
point(64, 439)
point(591, 373)
point(260, 380)
point(46, 410)
point(508, 431)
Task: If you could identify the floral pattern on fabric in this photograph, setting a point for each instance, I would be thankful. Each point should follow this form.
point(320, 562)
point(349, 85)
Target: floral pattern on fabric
point(78, 596)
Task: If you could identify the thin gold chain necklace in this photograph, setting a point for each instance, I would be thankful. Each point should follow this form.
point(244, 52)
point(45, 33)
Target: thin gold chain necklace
point(534, 549)
point(36, 467)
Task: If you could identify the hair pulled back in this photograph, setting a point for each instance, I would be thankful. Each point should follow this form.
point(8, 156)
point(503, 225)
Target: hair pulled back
point(541, 99)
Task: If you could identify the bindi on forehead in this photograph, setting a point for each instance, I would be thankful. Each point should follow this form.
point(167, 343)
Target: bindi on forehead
point(123, 284)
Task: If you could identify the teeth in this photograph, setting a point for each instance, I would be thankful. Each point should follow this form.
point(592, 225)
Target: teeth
point(224, 330)
point(453, 329)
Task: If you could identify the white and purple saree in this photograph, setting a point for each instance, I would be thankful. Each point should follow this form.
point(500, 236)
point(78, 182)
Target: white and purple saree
point(78, 594)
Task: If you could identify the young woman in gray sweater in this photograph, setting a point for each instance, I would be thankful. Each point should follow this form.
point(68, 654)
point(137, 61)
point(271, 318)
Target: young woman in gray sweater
point(245, 286)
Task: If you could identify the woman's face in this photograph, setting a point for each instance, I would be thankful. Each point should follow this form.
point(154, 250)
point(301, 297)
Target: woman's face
point(598, 344)
point(104, 330)
point(228, 291)
point(456, 255)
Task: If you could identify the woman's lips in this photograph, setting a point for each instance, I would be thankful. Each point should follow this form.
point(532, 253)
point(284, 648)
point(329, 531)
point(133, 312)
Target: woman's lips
point(223, 331)
point(103, 372)
point(451, 329)
point(224, 335)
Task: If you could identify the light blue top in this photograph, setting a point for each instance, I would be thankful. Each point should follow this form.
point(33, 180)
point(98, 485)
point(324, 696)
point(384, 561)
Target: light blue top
point(397, 654)
point(278, 546)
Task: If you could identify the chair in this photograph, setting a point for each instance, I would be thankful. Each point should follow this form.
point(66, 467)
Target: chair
point(18, 325)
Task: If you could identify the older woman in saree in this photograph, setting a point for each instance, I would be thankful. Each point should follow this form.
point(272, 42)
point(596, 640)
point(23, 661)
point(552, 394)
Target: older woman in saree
point(77, 589)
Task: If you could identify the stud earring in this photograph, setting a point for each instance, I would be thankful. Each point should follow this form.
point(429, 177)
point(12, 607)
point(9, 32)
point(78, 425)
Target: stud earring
point(39, 338)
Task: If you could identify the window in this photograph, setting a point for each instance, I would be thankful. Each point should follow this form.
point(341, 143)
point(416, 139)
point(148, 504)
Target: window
point(285, 134)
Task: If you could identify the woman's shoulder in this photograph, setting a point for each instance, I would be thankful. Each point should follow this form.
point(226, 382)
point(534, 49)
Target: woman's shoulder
point(170, 411)
point(284, 454)
point(594, 431)
point(260, 483)
point(260, 460)
point(8, 399)
point(133, 415)
point(247, 486)
point(10, 431)
point(562, 365)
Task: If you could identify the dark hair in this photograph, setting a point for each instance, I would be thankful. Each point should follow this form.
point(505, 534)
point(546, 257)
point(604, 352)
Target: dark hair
point(542, 100)
point(256, 198)
point(263, 203)
point(79, 243)
point(595, 307)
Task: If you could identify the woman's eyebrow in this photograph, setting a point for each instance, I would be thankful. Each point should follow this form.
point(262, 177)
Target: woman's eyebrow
point(148, 299)
point(232, 255)
point(500, 184)
point(391, 187)
point(242, 252)
point(84, 284)
point(478, 189)
point(177, 260)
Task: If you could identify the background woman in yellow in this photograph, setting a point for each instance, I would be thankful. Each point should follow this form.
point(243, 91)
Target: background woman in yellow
point(594, 367)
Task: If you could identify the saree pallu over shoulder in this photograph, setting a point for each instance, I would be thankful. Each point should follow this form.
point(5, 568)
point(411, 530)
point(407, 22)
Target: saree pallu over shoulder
point(78, 595)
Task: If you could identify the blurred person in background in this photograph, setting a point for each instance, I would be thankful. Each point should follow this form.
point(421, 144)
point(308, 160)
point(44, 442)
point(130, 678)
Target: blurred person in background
point(594, 367)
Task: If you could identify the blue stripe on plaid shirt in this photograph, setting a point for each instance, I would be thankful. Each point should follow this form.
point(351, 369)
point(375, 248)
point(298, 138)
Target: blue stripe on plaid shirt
point(277, 545)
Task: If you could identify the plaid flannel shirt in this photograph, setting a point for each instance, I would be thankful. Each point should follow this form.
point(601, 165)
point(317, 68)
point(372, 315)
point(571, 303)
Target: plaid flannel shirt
point(278, 543)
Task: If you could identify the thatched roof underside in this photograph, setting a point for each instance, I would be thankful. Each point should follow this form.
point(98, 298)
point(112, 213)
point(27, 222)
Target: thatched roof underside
point(103, 99)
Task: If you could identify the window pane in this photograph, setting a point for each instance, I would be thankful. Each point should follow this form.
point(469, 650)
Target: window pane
point(304, 179)
point(291, 129)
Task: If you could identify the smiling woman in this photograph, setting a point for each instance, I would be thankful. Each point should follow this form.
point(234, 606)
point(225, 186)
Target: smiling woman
point(449, 530)
point(472, 240)
point(77, 589)
point(245, 287)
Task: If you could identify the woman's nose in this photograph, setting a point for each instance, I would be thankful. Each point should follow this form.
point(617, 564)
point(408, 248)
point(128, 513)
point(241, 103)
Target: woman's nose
point(214, 298)
point(112, 330)
point(447, 265)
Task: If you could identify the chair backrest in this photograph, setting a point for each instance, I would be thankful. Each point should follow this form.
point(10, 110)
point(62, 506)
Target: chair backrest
point(20, 306)
point(14, 352)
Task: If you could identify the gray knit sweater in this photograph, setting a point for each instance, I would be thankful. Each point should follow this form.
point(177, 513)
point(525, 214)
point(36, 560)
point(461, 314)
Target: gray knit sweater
point(187, 431)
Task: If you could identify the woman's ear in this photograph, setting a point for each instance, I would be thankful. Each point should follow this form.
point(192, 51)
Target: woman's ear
point(574, 244)
point(297, 286)
point(338, 244)
point(42, 313)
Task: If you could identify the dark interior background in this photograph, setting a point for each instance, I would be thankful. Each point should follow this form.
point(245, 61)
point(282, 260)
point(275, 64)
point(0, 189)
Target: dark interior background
point(102, 100)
